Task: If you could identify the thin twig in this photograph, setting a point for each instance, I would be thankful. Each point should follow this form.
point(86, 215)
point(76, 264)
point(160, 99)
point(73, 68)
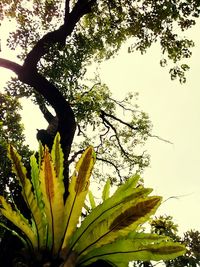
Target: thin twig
point(119, 120)
point(73, 157)
point(112, 164)
point(161, 139)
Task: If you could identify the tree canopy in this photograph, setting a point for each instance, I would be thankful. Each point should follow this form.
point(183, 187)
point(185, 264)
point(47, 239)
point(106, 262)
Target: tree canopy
point(57, 40)
point(11, 130)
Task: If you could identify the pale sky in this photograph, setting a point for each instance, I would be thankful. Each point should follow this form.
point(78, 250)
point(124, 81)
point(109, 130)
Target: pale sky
point(174, 111)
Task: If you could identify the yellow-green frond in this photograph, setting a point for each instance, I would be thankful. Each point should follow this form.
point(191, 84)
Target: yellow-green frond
point(106, 190)
point(18, 220)
point(57, 157)
point(78, 190)
point(126, 250)
point(52, 190)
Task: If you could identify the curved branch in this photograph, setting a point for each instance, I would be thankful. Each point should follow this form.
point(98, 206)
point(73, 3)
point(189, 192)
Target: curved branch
point(67, 124)
point(105, 133)
point(102, 116)
point(122, 104)
point(161, 139)
point(58, 36)
point(10, 65)
point(46, 113)
point(29, 75)
point(87, 92)
point(112, 164)
point(66, 118)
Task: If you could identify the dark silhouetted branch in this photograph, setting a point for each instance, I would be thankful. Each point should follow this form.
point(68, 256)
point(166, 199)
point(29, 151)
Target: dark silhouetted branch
point(113, 165)
point(58, 36)
point(119, 120)
point(106, 122)
point(67, 8)
point(74, 156)
point(10, 65)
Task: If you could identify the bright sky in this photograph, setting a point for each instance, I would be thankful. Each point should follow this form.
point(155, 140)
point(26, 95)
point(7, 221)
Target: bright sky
point(174, 111)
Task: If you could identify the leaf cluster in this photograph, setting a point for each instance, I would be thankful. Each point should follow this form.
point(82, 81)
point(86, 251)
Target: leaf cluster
point(11, 131)
point(164, 225)
point(110, 231)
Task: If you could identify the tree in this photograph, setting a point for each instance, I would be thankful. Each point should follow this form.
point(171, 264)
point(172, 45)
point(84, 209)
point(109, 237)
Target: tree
point(58, 39)
point(76, 33)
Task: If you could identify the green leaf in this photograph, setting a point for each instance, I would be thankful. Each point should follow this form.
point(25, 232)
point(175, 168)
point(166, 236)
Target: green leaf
point(18, 220)
point(28, 194)
point(106, 190)
point(135, 213)
point(136, 246)
point(123, 198)
point(120, 222)
point(57, 157)
point(52, 190)
point(19, 169)
point(91, 199)
point(35, 181)
point(78, 190)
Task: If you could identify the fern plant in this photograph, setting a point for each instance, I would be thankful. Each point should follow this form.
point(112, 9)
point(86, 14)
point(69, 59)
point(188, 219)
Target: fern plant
point(111, 232)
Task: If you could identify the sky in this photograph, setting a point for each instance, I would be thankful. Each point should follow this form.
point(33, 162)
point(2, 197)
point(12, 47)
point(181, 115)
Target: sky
point(174, 110)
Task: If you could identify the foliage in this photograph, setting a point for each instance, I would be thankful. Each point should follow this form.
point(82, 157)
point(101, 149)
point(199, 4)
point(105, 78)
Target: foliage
point(191, 239)
point(164, 225)
point(11, 131)
point(113, 126)
point(111, 230)
point(100, 33)
point(62, 38)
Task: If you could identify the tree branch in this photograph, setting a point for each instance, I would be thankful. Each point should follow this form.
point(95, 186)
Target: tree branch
point(67, 124)
point(160, 138)
point(49, 117)
point(46, 113)
point(66, 119)
point(58, 36)
point(120, 103)
point(67, 2)
point(73, 157)
point(29, 75)
point(115, 131)
point(119, 120)
point(112, 164)
point(8, 64)
point(87, 92)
